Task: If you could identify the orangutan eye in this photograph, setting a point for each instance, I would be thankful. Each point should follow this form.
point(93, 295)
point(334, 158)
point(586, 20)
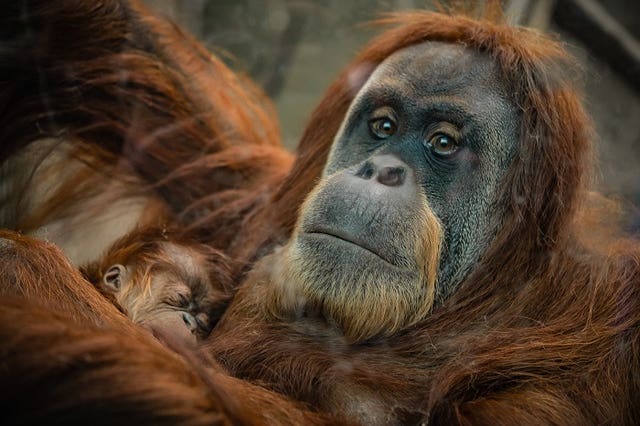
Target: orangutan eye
point(382, 128)
point(180, 300)
point(443, 144)
point(442, 139)
point(382, 123)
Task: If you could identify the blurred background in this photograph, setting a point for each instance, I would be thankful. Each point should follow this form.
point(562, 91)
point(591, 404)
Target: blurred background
point(294, 49)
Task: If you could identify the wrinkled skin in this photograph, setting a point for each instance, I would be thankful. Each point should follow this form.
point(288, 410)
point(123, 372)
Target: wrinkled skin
point(430, 89)
point(409, 197)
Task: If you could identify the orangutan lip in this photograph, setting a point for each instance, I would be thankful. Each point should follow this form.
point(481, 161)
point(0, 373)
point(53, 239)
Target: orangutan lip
point(350, 239)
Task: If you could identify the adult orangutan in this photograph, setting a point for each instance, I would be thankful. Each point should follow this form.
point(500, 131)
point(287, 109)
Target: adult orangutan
point(450, 266)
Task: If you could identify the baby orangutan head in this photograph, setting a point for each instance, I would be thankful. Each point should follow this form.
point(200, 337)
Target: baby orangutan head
point(173, 286)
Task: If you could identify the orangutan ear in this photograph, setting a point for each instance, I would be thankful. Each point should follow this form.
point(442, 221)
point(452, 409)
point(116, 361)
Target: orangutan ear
point(114, 277)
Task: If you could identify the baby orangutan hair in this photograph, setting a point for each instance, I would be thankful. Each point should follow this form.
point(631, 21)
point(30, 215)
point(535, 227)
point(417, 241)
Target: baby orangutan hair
point(165, 282)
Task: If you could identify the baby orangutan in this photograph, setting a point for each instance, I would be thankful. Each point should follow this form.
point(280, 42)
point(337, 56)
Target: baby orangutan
point(168, 284)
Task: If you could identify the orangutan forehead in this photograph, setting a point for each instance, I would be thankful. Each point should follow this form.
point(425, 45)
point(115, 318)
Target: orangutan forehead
point(186, 262)
point(452, 81)
point(436, 68)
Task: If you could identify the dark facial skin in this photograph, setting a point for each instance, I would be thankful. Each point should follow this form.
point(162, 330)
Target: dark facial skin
point(431, 133)
point(171, 299)
point(454, 129)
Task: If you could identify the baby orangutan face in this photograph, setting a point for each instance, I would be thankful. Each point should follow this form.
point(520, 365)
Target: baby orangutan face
point(172, 298)
point(174, 289)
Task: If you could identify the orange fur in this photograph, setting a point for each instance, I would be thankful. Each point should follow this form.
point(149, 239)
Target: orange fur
point(545, 329)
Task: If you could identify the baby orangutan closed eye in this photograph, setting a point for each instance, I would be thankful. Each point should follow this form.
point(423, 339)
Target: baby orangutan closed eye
point(174, 287)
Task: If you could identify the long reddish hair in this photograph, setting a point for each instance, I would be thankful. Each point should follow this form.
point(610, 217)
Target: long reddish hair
point(143, 104)
point(548, 320)
point(546, 329)
point(553, 126)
